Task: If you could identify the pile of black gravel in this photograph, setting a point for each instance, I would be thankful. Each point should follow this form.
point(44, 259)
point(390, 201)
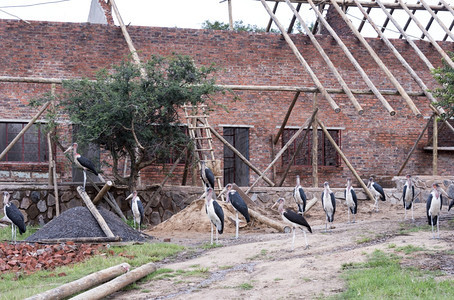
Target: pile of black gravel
point(78, 222)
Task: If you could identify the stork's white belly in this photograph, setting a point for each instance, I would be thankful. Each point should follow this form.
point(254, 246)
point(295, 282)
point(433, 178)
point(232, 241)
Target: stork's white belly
point(327, 205)
point(135, 212)
point(434, 209)
point(213, 216)
point(349, 199)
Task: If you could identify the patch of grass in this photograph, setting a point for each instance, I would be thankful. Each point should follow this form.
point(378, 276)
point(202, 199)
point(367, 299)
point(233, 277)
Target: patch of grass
point(278, 279)
point(245, 286)
point(392, 245)
point(136, 255)
point(382, 277)
point(208, 246)
point(263, 253)
point(406, 228)
point(409, 249)
point(225, 267)
point(364, 240)
point(198, 272)
point(5, 233)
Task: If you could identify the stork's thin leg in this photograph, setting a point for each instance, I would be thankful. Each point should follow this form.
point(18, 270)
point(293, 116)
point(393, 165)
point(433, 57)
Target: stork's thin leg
point(217, 239)
point(412, 216)
point(405, 209)
point(354, 218)
point(438, 228)
point(348, 213)
point(211, 233)
point(432, 221)
point(305, 239)
point(326, 224)
point(293, 239)
point(12, 233)
point(85, 178)
point(236, 223)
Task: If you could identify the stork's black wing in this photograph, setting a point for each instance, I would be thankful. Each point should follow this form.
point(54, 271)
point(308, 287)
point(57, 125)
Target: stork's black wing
point(297, 219)
point(208, 177)
point(85, 162)
point(379, 189)
point(239, 205)
point(428, 204)
point(333, 202)
point(220, 213)
point(140, 207)
point(404, 193)
point(300, 193)
point(451, 205)
point(14, 214)
point(355, 200)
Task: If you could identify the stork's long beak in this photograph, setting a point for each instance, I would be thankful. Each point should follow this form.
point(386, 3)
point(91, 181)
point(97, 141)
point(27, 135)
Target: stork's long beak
point(130, 196)
point(70, 147)
point(222, 192)
point(275, 203)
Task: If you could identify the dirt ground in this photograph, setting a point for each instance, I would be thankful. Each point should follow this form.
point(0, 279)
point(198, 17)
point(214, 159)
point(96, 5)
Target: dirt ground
point(260, 263)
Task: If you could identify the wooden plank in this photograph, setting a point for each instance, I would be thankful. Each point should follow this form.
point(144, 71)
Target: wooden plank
point(344, 158)
point(378, 60)
point(287, 116)
point(103, 191)
point(290, 141)
point(24, 130)
point(94, 211)
point(347, 52)
point(302, 60)
point(118, 283)
point(83, 283)
point(327, 60)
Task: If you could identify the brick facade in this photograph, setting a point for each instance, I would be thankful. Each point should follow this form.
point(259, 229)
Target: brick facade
point(375, 142)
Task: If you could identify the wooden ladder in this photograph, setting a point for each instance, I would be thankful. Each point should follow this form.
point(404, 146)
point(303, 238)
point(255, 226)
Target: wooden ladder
point(199, 132)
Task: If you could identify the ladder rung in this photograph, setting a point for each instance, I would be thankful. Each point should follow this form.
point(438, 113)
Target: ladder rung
point(196, 116)
point(203, 138)
point(203, 149)
point(198, 127)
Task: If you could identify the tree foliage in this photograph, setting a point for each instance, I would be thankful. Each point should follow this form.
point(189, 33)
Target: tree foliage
point(237, 26)
point(133, 116)
point(444, 75)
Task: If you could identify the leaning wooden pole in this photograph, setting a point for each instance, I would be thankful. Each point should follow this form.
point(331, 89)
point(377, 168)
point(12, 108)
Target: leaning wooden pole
point(287, 116)
point(94, 211)
point(314, 151)
point(290, 141)
point(414, 146)
point(103, 191)
point(434, 16)
point(344, 158)
point(22, 132)
point(435, 147)
point(83, 283)
point(117, 284)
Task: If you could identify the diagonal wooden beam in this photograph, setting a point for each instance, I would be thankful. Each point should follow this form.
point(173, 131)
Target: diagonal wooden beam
point(383, 27)
point(270, 22)
point(320, 8)
point(287, 116)
point(434, 16)
point(406, 23)
point(327, 60)
point(347, 52)
point(450, 28)
point(363, 21)
point(292, 22)
point(378, 61)
point(447, 6)
point(298, 55)
point(429, 37)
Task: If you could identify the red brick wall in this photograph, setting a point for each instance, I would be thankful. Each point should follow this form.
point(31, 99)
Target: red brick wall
point(375, 142)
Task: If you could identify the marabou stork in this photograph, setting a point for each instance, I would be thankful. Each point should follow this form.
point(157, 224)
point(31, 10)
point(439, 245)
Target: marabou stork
point(377, 191)
point(82, 162)
point(299, 196)
point(433, 208)
point(408, 195)
point(137, 209)
point(351, 200)
point(207, 175)
point(294, 219)
point(329, 204)
point(238, 204)
point(14, 216)
point(215, 213)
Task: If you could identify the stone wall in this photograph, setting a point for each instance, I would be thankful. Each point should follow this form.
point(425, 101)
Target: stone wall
point(38, 204)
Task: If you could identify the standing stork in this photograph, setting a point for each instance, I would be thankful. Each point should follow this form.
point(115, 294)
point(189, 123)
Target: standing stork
point(408, 195)
point(14, 216)
point(137, 209)
point(433, 208)
point(215, 213)
point(207, 175)
point(82, 162)
point(351, 200)
point(294, 219)
point(238, 204)
point(299, 196)
point(377, 191)
point(329, 204)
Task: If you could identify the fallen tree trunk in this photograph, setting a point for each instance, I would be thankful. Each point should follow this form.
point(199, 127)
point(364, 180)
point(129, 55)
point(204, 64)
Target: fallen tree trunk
point(117, 283)
point(311, 203)
point(83, 283)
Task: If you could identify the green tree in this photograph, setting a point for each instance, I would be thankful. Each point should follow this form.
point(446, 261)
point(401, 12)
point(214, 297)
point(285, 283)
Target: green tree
point(444, 75)
point(237, 26)
point(129, 115)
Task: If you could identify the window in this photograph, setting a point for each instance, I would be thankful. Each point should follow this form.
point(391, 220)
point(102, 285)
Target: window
point(235, 170)
point(327, 154)
point(31, 147)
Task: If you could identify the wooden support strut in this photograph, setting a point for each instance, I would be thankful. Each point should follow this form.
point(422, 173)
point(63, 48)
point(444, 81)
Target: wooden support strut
point(102, 192)
point(347, 52)
point(378, 61)
point(298, 55)
point(287, 116)
point(434, 16)
point(290, 141)
point(83, 283)
point(102, 223)
point(344, 158)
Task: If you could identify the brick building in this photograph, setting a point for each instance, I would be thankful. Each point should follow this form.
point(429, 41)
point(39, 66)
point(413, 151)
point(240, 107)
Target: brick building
point(375, 142)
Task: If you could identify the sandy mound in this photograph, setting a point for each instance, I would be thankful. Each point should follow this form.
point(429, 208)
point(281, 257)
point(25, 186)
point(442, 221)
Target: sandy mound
point(79, 222)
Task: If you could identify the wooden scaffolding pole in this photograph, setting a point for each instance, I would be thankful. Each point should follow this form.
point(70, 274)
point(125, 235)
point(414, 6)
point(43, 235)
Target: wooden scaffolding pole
point(447, 6)
point(396, 53)
point(327, 60)
point(347, 52)
point(435, 147)
point(290, 141)
point(378, 60)
point(434, 16)
point(429, 37)
point(314, 151)
point(287, 116)
point(298, 55)
point(414, 146)
point(344, 158)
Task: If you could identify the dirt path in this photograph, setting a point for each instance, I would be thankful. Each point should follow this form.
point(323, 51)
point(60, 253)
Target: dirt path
point(260, 265)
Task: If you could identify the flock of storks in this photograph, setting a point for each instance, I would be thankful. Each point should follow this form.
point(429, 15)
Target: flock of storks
point(295, 219)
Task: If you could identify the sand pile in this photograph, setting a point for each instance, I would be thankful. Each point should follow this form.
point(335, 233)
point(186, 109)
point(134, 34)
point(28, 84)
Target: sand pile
point(78, 222)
